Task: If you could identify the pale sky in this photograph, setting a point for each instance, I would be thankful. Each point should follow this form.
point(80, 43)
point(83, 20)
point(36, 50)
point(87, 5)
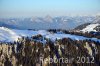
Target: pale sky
point(28, 8)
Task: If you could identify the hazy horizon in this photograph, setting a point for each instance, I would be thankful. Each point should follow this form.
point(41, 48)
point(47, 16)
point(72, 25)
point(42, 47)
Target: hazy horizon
point(29, 8)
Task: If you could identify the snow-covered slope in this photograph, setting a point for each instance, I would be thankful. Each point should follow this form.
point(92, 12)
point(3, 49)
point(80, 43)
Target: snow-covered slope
point(90, 27)
point(10, 35)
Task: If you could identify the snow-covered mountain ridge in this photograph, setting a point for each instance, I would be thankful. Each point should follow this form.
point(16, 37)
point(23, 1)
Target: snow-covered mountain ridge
point(88, 27)
point(91, 27)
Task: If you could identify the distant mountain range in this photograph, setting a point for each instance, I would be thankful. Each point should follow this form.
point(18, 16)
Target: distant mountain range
point(48, 22)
